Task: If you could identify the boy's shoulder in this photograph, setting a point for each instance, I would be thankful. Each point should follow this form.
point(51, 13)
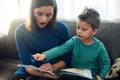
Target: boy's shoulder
point(98, 41)
point(75, 38)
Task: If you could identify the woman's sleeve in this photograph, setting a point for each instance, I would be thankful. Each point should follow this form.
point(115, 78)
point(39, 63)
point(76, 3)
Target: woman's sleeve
point(66, 36)
point(64, 50)
point(24, 53)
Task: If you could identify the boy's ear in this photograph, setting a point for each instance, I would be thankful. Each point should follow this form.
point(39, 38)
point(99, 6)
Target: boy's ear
point(95, 31)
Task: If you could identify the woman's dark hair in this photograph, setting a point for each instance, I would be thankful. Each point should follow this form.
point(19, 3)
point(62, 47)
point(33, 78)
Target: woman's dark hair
point(38, 3)
point(91, 16)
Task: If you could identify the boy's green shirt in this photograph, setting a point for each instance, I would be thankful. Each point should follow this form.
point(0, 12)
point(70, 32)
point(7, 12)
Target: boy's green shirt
point(93, 56)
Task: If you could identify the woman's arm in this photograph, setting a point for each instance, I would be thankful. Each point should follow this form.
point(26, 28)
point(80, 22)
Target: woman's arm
point(58, 65)
point(47, 67)
point(24, 53)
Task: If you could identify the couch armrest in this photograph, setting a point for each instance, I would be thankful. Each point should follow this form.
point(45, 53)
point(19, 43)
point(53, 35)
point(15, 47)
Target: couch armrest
point(2, 47)
point(10, 41)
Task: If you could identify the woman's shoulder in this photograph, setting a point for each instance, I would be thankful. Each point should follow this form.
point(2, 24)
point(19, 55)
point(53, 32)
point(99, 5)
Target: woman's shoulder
point(62, 25)
point(20, 27)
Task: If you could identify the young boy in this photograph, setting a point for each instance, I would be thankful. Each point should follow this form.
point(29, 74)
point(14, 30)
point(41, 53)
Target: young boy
point(87, 51)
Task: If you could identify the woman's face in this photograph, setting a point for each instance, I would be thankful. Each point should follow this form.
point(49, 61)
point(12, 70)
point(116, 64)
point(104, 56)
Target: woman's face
point(43, 15)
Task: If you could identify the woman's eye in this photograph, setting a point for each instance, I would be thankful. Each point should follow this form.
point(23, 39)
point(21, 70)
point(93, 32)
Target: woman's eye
point(40, 14)
point(48, 15)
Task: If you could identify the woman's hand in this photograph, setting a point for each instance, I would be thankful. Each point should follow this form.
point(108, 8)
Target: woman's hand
point(55, 76)
point(39, 57)
point(99, 78)
point(41, 74)
point(46, 67)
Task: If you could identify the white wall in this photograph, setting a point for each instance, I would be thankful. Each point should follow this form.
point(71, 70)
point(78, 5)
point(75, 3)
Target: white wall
point(113, 9)
point(119, 9)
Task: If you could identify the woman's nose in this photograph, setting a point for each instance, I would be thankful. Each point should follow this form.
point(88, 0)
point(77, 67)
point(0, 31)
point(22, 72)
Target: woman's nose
point(44, 18)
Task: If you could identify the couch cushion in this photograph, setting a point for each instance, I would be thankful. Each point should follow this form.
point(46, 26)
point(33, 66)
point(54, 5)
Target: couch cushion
point(3, 47)
point(109, 34)
point(10, 42)
point(115, 69)
point(71, 25)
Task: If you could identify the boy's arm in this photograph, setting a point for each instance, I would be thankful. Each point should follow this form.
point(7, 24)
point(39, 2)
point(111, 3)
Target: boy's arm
point(59, 50)
point(105, 66)
point(54, 52)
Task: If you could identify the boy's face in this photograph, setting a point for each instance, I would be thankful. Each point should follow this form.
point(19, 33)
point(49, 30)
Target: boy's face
point(85, 31)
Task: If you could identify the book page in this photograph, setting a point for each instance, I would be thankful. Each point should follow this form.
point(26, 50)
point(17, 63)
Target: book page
point(77, 72)
point(35, 68)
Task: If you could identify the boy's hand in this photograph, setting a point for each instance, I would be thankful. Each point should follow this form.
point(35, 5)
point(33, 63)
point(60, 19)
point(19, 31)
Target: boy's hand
point(99, 78)
point(39, 57)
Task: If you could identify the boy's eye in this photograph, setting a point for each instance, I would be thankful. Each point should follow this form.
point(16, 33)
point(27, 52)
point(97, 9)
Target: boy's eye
point(84, 29)
point(78, 27)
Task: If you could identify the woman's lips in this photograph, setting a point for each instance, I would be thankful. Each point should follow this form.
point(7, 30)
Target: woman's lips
point(42, 24)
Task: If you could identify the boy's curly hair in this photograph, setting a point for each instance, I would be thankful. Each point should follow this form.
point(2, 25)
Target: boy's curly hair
point(91, 16)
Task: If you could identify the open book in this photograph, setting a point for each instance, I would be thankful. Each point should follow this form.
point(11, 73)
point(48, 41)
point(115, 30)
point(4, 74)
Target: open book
point(69, 71)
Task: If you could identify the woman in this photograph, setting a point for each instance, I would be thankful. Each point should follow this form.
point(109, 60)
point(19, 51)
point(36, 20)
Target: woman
point(40, 33)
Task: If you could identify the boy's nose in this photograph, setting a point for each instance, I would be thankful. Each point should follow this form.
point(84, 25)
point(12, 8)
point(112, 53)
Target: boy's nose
point(79, 31)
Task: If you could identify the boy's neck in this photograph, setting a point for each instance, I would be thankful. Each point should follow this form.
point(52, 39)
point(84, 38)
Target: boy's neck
point(88, 41)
